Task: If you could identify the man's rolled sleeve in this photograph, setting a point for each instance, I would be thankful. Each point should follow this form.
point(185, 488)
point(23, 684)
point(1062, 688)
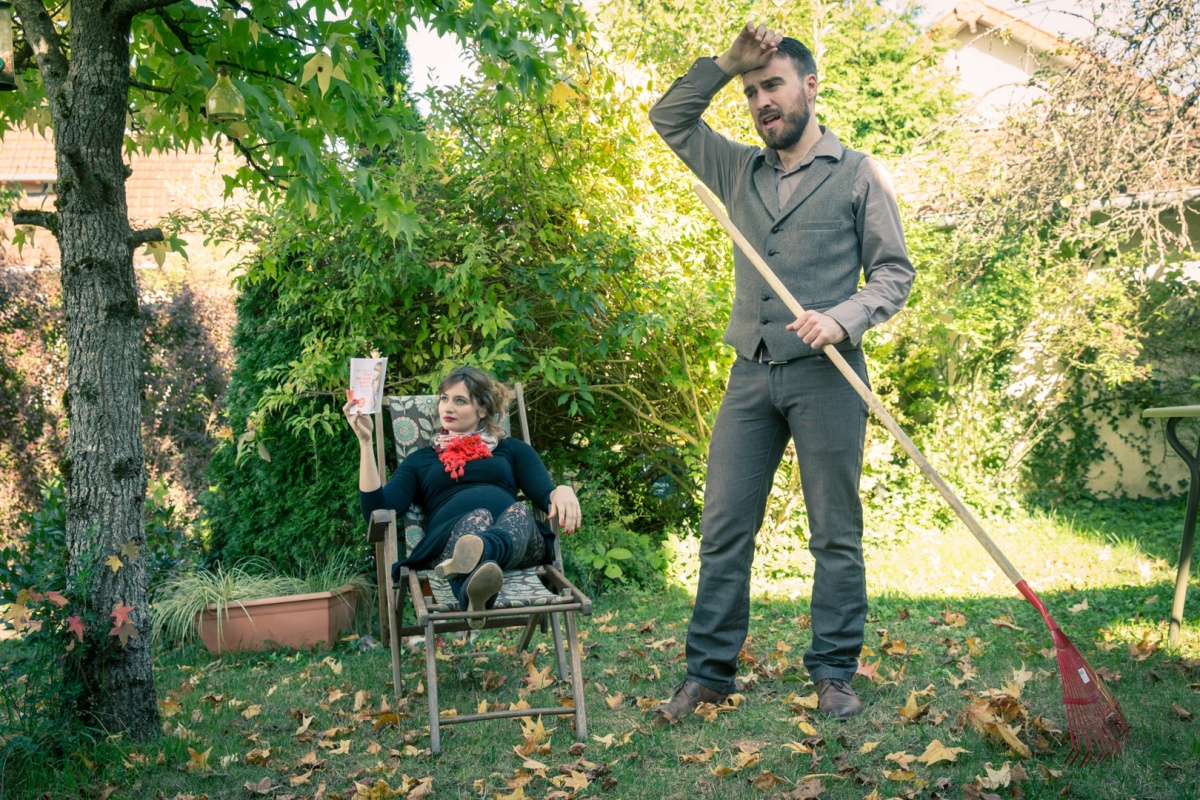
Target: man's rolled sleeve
point(888, 271)
point(676, 117)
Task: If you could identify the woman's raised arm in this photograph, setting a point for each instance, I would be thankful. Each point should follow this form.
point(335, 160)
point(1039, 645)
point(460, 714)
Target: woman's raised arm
point(363, 427)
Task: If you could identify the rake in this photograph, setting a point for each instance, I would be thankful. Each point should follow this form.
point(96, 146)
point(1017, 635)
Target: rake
point(1098, 728)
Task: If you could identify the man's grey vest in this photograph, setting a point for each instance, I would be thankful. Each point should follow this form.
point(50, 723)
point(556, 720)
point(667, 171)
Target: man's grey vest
point(812, 245)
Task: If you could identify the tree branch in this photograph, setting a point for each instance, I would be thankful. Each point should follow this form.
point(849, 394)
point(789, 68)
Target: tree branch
point(146, 87)
point(128, 9)
point(185, 39)
point(31, 216)
point(259, 168)
point(282, 33)
point(42, 36)
point(137, 238)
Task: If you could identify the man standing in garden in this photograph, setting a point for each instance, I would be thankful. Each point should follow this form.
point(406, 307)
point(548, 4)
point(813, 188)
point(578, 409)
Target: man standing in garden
point(820, 214)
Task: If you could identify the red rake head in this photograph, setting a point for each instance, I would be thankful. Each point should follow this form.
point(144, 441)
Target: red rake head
point(1098, 728)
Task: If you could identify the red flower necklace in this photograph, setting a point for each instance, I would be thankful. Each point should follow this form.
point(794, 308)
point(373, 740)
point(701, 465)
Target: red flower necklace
point(456, 451)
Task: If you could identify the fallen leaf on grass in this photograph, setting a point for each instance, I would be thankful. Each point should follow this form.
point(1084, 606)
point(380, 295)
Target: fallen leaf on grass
point(810, 701)
point(380, 791)
point(766, 781)
point(911, 711)
point(996, 778)
point(615, 700)
point(299, 780)
point(262, 787)
point(1005, 621)
point(419, 789)
point(1108, 676)
point(258, 757)
point(867, 747)
point(954, 619)
point(1142, 650)
point(1183, 713)
point(1075, 609)
point(1007, 735)
point(901, 758)
point(197, 762)
point(867, 670)
point(537, 679)
point(252, 711)
point(807, 789)
point(936, 751)
point(699, 758)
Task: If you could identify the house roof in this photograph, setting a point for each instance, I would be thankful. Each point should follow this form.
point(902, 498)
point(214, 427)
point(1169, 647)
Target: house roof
point(159, 183)
point(970, 14)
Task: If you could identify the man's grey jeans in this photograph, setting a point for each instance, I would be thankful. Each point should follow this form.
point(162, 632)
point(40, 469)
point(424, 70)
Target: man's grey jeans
point(808, 400)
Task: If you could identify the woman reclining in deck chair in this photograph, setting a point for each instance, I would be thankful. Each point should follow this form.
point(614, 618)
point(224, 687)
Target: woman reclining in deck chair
point(467, 483)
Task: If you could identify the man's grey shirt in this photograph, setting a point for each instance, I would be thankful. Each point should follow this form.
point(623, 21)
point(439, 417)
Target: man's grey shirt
point(720, 163)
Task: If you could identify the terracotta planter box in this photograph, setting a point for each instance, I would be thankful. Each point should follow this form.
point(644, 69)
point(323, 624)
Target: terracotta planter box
point(299, 620)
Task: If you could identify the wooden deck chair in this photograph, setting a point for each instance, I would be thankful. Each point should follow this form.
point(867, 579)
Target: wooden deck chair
point(527, 598)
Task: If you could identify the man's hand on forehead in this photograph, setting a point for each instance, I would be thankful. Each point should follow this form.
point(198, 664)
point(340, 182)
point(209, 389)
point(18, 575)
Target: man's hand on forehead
point(753, 48)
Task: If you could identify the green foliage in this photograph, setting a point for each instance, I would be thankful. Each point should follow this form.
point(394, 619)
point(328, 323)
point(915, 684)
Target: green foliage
point(39, 557)
point(316, 76)
point(300, 505)
point(881, 87)
point(558, 244)
point(609, 549)
point(43, 678)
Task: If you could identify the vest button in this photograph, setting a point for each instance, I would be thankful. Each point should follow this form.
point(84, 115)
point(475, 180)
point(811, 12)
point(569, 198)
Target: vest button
point(763, 320)
point(772, 252)
point(775, 229)
point(766, 297)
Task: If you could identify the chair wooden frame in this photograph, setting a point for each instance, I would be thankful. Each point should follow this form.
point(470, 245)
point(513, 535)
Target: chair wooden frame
point(384, 532)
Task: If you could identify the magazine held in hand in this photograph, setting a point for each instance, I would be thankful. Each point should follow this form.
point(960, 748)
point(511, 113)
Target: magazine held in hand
point(366, 384)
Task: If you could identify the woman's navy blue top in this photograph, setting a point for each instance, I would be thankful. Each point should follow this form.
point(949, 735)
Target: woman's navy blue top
point(490, 483)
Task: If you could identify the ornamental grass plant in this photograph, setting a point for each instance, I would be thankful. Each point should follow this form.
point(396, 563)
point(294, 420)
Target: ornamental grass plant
point(184, 595)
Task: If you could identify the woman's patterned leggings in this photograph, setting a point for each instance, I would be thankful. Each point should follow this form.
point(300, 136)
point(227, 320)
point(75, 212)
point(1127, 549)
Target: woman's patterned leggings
point(514, 536)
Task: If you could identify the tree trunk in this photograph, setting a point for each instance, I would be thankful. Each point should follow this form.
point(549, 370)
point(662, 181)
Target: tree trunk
point(105, 479)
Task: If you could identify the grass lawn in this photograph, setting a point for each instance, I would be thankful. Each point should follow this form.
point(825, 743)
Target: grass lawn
point(946, 632)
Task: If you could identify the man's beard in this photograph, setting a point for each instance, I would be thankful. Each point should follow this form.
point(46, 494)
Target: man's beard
point(790, 129)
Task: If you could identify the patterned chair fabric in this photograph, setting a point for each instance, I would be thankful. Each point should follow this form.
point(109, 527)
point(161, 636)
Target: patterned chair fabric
point(414, 423)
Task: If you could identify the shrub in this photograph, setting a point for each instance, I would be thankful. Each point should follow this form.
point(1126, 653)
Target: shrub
point(301, 504)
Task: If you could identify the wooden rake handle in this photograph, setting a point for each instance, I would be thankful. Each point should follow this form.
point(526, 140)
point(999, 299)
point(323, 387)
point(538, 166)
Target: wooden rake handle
point(866, 394)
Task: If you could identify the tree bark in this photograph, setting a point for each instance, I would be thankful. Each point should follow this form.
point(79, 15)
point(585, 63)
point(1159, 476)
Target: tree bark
point(104, 475)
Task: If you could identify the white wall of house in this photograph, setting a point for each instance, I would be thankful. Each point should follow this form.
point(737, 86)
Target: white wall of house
point(993, 66)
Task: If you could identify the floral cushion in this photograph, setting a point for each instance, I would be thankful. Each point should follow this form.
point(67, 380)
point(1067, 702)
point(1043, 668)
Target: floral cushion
point(414, 423)
point(522, 588)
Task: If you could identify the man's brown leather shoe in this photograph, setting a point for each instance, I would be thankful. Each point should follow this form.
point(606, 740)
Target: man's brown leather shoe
point(689, 695)
point(837, 699)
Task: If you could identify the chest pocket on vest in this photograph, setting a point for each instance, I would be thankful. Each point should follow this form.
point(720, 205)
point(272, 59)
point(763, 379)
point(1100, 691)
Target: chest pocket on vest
point(819, 225)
